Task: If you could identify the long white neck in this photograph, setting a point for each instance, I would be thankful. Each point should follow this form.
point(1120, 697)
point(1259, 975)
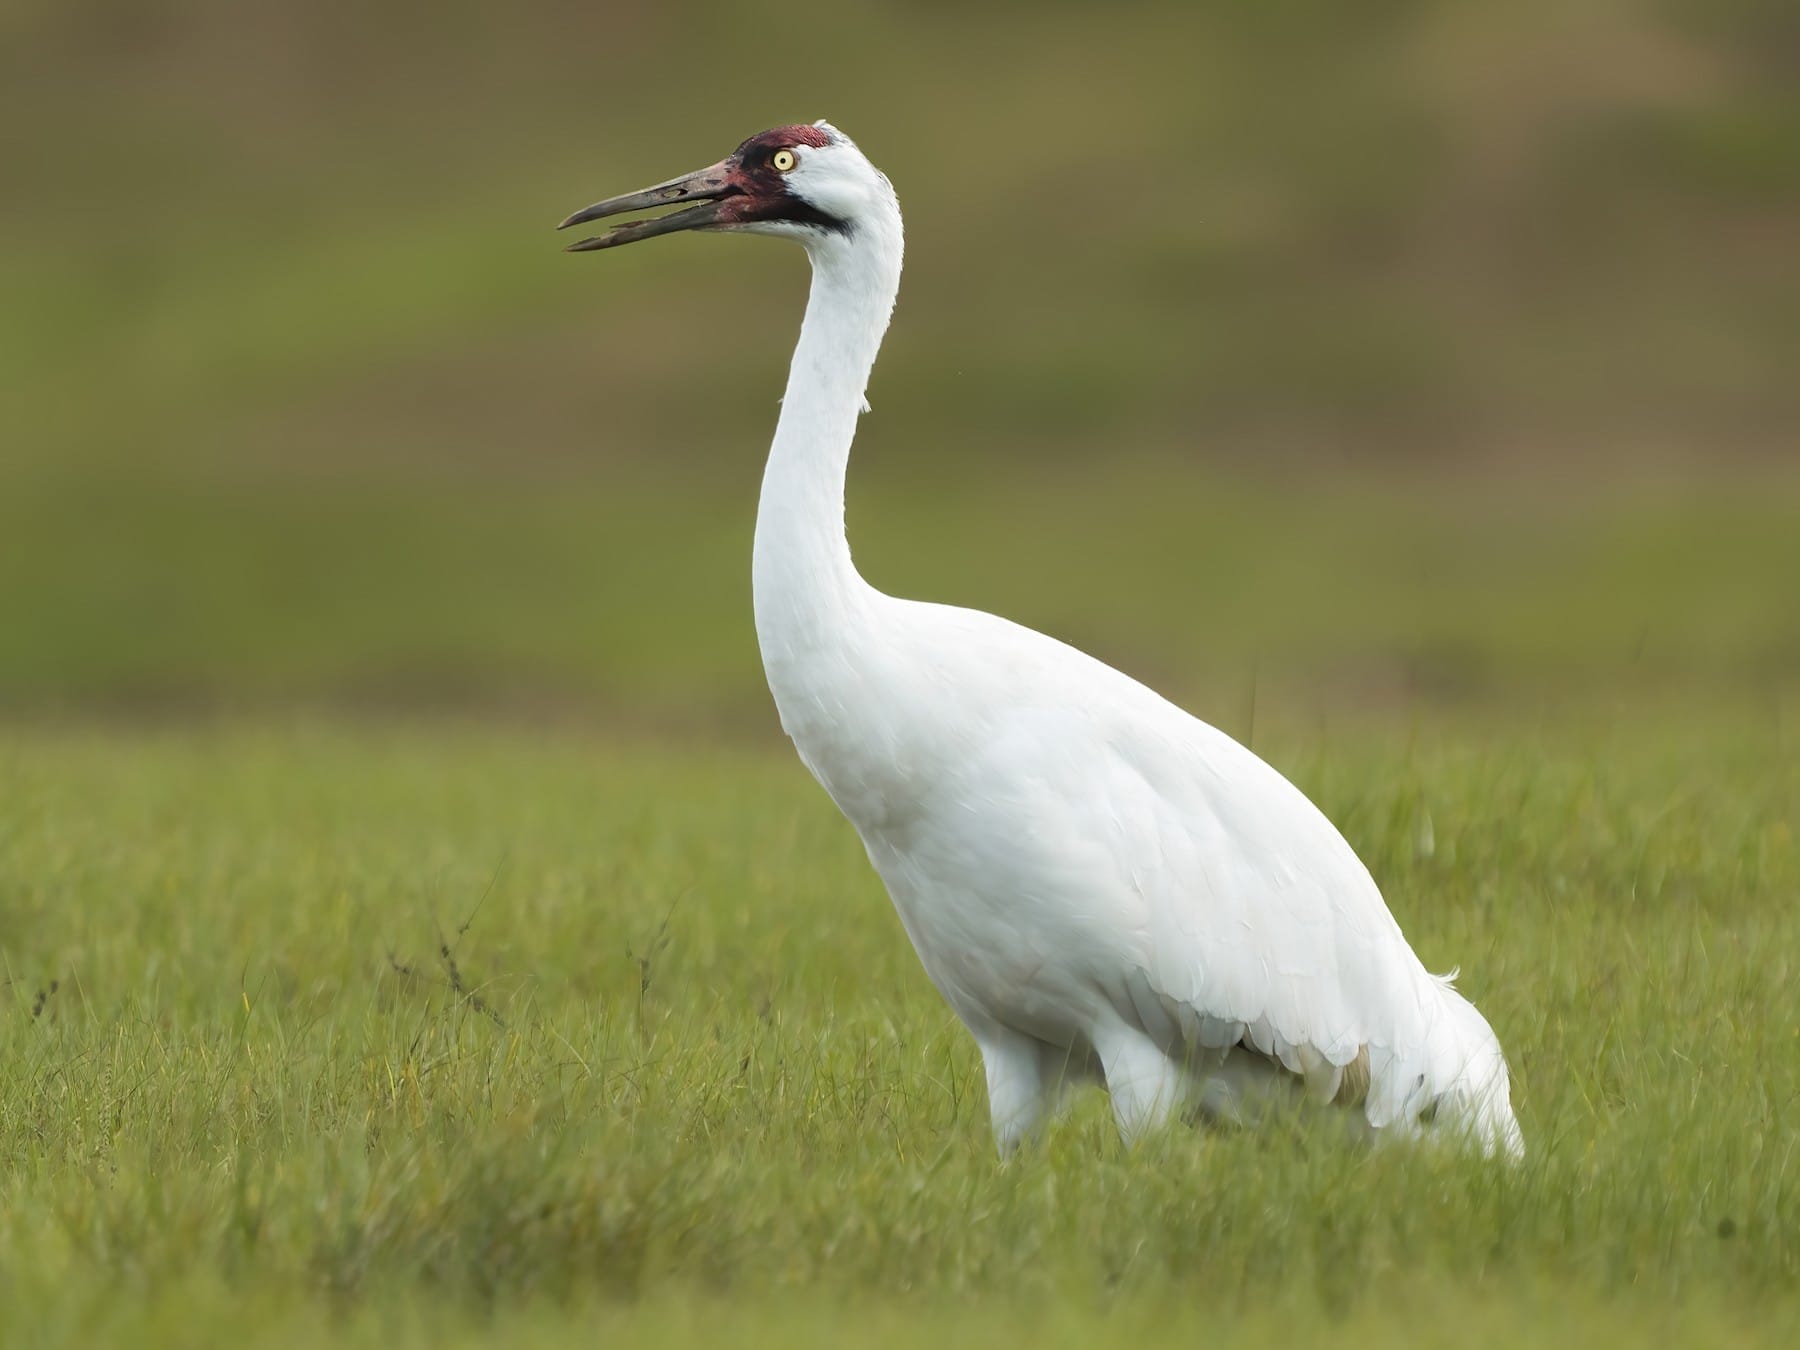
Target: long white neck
point(809, 598)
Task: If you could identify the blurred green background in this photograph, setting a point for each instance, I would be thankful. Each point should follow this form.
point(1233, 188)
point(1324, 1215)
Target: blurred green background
point(1428, 367)
point(1359, 355)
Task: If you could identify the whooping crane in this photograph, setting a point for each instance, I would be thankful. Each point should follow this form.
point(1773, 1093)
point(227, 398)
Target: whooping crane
point(1103, 887)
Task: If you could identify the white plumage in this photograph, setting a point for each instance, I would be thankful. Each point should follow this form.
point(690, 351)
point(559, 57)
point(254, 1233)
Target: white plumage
point(1103, 887)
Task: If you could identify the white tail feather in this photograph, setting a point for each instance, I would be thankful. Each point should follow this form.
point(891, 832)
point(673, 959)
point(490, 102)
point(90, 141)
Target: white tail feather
point(1454, 1083)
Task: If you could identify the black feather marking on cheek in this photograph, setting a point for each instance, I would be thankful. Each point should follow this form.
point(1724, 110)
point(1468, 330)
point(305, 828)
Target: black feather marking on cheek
point(805, 213)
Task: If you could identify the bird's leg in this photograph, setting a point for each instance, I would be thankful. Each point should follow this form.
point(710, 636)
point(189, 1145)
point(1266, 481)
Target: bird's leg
point(1024, 1084)
point(1146, 1086)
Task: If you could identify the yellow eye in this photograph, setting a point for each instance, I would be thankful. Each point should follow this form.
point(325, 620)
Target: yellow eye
point(784, 160)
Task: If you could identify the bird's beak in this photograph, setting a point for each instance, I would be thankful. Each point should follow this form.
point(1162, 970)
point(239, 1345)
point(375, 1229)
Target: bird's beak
point(708, 188)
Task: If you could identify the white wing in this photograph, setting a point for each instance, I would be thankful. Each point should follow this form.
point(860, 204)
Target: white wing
point(1217, 902)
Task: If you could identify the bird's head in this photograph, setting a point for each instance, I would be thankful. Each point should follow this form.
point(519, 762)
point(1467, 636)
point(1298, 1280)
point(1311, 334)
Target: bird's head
point(809, 183)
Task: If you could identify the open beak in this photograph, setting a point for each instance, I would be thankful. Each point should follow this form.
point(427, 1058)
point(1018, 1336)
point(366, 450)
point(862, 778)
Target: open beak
point(707, 189)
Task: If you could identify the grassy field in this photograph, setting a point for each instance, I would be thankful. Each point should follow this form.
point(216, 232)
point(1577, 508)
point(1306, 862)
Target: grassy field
point(413, 930)
point(390, 1036)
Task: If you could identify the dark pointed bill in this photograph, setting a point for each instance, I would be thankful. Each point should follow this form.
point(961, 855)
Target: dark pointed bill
point(706, 189)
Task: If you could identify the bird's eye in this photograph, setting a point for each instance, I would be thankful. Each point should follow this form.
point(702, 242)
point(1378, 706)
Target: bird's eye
point(784, 160)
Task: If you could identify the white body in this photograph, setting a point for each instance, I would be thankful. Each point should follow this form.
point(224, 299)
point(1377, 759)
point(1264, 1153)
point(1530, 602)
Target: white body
point(1101, 885)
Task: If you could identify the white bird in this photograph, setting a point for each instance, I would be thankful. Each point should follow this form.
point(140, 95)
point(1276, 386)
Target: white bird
point(1102, 886)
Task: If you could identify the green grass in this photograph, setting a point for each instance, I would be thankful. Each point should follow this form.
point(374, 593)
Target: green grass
point(686, 1079)
point(1410, 391)
point(634, 594)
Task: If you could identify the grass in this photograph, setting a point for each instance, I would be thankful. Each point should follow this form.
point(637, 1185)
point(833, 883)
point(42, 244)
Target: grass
point(633, 594)
point(419, 1036)
point(1412, 391)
